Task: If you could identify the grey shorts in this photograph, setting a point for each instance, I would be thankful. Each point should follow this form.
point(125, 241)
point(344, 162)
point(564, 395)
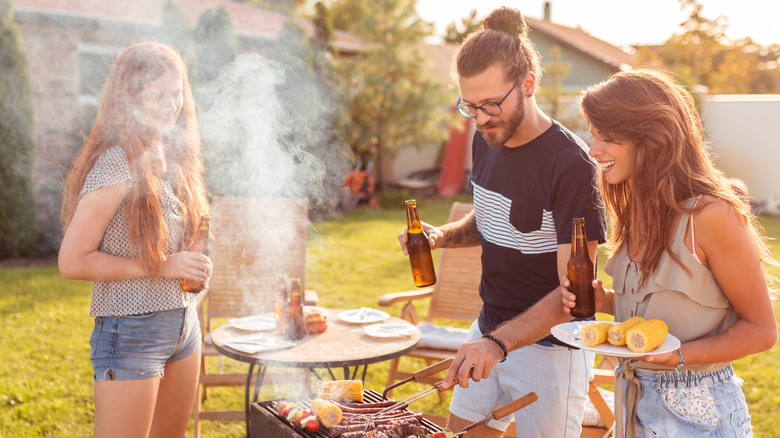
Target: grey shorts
point(135, 347)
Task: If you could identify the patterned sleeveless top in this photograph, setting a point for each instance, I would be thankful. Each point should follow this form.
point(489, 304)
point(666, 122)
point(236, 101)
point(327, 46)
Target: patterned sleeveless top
point(139, 295)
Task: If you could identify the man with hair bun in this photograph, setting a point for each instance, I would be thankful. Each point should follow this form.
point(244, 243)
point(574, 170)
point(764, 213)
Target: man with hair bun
point(530, 177)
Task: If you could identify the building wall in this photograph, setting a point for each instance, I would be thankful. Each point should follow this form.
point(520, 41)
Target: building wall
point(61, 54)
point(740, 131)
point(583, 70)
point(68, 58)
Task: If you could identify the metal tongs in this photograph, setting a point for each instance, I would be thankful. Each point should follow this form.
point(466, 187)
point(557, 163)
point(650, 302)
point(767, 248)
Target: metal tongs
point(423, 373)
point(426, 372)
point(503, 411)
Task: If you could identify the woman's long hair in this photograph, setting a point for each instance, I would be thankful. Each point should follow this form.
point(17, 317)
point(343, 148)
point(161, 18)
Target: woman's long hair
point(117, 124)
point(671, 163)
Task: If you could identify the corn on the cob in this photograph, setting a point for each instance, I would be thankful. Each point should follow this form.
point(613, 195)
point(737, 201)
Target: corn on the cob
point(342, 390)
point(595, 334)
point(325, 411)
point(617, 334)
point(646, 336)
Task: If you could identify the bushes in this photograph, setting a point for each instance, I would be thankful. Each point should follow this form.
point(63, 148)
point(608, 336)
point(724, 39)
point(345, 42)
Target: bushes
point(18, 224)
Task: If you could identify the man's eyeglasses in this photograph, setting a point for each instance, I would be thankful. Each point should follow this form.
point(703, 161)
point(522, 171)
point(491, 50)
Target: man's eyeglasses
point(490, 108)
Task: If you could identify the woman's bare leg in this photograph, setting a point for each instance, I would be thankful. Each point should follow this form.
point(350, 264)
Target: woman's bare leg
point(124, 408)
point(176, 397)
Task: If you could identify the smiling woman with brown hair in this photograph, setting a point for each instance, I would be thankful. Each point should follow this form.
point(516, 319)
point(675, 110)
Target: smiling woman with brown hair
point(685, 249)
point(132, 202)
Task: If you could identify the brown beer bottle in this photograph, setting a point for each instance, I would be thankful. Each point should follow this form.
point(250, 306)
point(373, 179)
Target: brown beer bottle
point(296, 328)
point(419, 250)
point(282, 306)
point(201, 245)
point(581, 272)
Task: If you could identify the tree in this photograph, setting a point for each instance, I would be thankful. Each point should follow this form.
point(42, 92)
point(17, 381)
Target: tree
point(703, 55)
point(176, 32)
point(215, 44)
point(456, 34)
point(18, 219)
point(555, 70)
point(390, 102)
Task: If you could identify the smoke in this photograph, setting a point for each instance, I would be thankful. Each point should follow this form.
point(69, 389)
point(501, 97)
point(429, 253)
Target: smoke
point(267, 135)
point(256, 144)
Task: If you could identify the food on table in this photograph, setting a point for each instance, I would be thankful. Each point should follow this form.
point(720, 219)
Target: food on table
point(316, 322)
point(328, 413)
point(342, 390)
point(617, 334)
point(646, 335)
point(595, 334)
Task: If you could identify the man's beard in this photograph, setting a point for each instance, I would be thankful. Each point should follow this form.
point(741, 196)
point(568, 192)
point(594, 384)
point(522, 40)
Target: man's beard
point(506, 128)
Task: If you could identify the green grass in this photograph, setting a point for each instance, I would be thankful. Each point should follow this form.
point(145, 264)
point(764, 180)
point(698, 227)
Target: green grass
point(45, 374)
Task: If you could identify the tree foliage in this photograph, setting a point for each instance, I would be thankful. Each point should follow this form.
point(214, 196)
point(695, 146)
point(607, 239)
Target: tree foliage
point(215, 44)
point(176, 31)
point(18, 221)
point(703, 55)
point(455, 33)
point(390, 102)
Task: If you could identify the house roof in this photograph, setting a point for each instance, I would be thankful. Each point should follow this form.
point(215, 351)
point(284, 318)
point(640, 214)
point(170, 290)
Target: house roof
point(579, 40)
point(247, 20)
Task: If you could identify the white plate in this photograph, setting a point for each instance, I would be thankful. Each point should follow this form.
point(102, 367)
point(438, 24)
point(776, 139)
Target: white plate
point(256, 342)
point(390, 331)
point(364, 315)
point(570, 333)
point(254, 323)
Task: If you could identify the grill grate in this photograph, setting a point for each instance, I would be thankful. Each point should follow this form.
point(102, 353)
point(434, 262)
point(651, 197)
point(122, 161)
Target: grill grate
point(269, 407)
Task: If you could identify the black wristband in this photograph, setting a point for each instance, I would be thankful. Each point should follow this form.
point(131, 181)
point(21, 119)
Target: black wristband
point(500, 344)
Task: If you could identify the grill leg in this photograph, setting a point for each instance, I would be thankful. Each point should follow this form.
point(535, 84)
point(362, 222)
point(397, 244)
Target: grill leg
point(258, 381)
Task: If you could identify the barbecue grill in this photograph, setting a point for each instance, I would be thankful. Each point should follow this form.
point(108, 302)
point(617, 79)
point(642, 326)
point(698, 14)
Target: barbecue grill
point(265, 422)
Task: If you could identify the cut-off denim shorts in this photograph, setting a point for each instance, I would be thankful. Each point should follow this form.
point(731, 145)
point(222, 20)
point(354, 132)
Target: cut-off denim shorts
point(692, 404)
point(136, 347)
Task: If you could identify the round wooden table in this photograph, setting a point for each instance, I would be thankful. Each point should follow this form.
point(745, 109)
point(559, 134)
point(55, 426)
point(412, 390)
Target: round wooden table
point(342, 345)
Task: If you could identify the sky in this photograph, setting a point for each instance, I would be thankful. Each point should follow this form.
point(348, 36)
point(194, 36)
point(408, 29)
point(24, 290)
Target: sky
point(623, 22)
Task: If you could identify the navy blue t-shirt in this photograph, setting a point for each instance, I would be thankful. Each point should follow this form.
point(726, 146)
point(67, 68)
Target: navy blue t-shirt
point(524, 199)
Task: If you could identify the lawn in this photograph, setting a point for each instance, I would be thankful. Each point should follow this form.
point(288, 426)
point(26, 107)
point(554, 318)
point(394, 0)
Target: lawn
point(45, 374)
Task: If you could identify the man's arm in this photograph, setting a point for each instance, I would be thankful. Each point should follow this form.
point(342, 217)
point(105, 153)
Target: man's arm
point(458, 234)
point(523, 330)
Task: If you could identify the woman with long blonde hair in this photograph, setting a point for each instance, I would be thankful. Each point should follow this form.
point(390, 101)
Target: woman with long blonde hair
point(132, 202)
point(685, 249)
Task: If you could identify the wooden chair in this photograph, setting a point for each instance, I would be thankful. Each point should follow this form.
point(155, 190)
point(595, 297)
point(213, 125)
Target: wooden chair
point(254, 240)
point(455, 297)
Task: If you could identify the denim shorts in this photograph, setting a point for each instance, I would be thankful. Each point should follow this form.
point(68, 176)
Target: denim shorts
point(136, 347)
point(692, 404)
point(558, 375)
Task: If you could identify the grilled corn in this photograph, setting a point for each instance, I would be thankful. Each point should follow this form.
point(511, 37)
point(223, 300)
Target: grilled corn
point(595, 334)
point(646, 336)
point(617, 334)
point(342, 390)
point(325, 411)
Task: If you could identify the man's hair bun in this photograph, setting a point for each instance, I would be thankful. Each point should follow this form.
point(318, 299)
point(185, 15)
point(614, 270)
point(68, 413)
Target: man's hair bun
point(507, 20)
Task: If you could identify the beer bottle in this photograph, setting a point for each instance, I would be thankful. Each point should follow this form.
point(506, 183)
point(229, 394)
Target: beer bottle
point(419, 250)
point(581, 272)
point(282, 306)
point(201, 245)
point(296, 328)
